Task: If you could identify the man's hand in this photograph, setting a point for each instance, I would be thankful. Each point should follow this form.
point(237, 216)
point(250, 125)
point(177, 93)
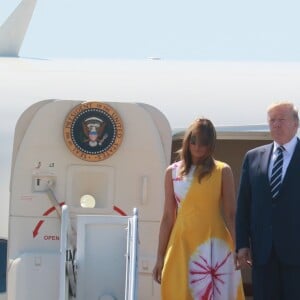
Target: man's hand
point(243, 258)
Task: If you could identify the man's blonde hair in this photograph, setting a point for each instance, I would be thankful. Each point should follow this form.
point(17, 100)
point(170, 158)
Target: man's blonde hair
point(288, 104)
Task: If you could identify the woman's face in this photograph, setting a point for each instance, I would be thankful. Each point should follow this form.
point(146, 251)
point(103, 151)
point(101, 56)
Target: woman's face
point(198, 147)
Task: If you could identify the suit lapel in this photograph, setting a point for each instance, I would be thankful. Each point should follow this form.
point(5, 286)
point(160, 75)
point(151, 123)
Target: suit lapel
point(293, 167)
point(265, 156)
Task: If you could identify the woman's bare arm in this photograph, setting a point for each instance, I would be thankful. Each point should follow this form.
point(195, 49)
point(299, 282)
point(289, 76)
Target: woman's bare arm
point(166, 225)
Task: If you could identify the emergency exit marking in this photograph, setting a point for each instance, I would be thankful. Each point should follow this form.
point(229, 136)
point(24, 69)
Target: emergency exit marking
point(51, 237)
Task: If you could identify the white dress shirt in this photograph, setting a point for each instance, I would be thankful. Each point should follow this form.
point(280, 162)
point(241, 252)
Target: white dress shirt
point(287, 155)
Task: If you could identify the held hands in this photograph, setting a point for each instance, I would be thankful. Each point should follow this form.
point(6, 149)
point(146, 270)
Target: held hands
point(243, 258)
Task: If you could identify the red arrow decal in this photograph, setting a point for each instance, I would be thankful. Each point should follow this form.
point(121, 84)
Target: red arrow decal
point(40, 223)
point(51, 209)
point(37, 227)
point(119, 210)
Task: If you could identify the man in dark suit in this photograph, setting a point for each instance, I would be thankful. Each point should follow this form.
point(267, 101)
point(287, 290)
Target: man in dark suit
point(268, 210)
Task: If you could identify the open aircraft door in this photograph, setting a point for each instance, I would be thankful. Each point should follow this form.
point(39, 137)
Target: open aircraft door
point(104, 263)
point(80, 173)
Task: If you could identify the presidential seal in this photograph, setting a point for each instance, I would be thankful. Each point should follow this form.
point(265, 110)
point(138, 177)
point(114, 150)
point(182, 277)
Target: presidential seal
point(93, 131)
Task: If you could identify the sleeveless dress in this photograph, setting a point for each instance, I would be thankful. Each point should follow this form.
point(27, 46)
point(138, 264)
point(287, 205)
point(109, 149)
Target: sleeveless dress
point(199, 263)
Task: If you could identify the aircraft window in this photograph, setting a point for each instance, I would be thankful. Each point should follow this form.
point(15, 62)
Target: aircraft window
point(87, 201)
point(3, 260)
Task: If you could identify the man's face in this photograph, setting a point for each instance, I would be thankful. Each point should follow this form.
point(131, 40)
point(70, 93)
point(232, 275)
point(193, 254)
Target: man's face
point(283, 126)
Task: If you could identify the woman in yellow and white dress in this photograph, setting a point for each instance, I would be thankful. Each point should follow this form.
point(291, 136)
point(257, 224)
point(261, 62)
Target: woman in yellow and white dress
point(195, 257)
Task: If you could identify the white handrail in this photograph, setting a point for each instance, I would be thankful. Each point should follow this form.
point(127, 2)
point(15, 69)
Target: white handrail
point(67, 249)
point(63, 250)
point(132, 257)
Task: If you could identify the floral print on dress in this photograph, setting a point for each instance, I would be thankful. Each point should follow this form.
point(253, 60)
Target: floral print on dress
point(210, 271)
point(181, 184)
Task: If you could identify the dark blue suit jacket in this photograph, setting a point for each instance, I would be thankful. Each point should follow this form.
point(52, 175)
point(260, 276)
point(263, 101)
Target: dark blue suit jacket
point(261, 221)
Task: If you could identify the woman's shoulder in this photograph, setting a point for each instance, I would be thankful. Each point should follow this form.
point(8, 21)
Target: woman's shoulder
point(174, 168)
point(224, 169)
point(175, 165)
point(220, 165)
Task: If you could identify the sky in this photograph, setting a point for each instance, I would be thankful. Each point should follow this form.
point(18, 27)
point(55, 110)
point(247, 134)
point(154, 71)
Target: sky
point(169, 29)
point(210, 30)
